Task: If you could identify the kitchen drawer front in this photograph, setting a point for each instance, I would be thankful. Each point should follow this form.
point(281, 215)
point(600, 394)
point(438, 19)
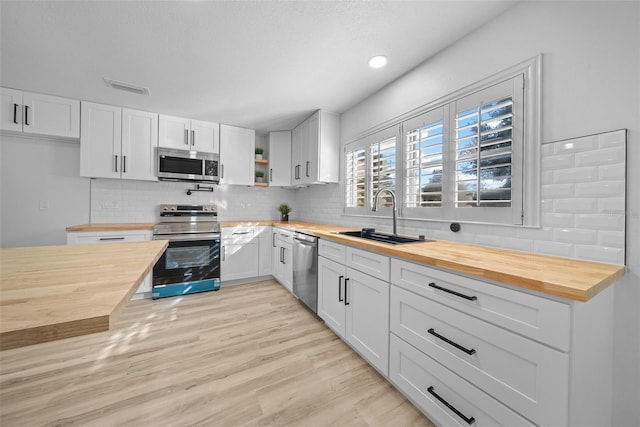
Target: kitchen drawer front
point(535, 317)
point(415, 373)
point(332, 251)
point(368, 262)
point(238, 234)
point(107, 237)
point(527, 376)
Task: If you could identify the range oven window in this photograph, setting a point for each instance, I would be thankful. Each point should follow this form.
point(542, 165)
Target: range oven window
point(188, 260)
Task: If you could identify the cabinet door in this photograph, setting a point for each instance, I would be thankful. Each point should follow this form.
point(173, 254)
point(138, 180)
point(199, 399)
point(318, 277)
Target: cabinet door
point(173, 132)
point(237, 151)
point(139, 140)
point(205, 137)
point(265, 236)
point(331, 294)
point(367, 322)
point(100, 144)
point(275, 256)
point(296, 154)
point(310, 150)
point(11, 109)
point(51, 115)
point(284, 267)
point(240, 259)
point(280, 158)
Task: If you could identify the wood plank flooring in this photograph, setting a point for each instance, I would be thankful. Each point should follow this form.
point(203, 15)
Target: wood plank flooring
point(247, 355)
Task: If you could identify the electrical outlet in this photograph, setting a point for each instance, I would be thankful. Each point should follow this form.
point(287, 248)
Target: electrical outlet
point(43, 205)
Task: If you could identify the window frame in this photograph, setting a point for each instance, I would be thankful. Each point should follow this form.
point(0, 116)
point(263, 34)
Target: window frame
point(529, 215)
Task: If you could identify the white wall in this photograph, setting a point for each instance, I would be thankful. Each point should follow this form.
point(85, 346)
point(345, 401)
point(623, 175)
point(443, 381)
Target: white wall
point(35, 171)
point(590, 85)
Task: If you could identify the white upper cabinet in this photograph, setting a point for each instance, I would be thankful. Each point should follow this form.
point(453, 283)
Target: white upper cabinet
point(117, 142)
point(315, 149)
point(280, 158)
point(34, 113)
point(185, 134)
point(237, 150)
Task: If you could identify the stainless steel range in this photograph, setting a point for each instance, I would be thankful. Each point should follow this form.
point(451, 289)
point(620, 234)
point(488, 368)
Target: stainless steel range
point(191, 262)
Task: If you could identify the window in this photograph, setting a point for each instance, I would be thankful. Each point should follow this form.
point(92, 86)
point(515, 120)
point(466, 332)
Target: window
point(458, 158)
point(370, 165)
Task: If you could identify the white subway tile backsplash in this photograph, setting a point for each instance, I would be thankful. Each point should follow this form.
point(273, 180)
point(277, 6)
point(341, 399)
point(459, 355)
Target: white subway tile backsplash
point(517, 244)
point(611, 205)
point(575, 205)
point(554, 191)
point(600, 221)
point(600, 157)
point(553, 248)
point(586, 143)
point(611, 172)
point(613, 239)
point(582, 174)
point(555, 219)
point(601, 189)
point(575, 235)
point(600, 253)
point(561, 161)
point(546, 177)
point(615, 138)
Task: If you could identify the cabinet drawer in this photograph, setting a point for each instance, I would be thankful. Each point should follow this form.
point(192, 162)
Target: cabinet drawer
point(374, 264)
point(418, 376)
point(535, 317)
point(238, 234)
point(332, 251)
point(527, 376)
point(106, 237)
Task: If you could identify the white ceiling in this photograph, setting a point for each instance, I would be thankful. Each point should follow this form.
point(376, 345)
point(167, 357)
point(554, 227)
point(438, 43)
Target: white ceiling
point(259, 64)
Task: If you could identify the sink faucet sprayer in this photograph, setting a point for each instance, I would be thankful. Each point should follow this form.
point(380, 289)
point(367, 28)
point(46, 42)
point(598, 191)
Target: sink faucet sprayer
point(393, 199)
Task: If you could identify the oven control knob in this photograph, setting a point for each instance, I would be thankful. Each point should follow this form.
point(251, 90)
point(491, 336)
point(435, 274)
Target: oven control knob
point(173, 208)
point(165, 209)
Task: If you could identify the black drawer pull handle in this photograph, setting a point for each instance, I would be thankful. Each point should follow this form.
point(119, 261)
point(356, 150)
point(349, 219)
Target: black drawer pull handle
point(448, 341)
point(15, 114)
point(450, 406)
point(340, 288)
point(458, 294)
point(111, 238)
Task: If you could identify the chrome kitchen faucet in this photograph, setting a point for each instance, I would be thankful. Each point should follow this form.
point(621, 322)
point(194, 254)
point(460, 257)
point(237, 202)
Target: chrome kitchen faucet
point(393, 199)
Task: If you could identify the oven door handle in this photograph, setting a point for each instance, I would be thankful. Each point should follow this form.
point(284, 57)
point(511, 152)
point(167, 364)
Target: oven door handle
point(187, 237)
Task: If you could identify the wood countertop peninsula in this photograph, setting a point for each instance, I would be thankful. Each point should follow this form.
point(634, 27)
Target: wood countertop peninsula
point(569, 278)
point(112, 226)
point(54, 292)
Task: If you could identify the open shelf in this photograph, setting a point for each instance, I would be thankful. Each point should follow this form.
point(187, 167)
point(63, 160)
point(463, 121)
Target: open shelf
point(260, 184)
point(262, 162)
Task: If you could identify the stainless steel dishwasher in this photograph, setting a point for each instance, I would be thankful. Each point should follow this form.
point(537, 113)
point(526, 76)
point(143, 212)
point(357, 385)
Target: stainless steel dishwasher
point(305, 269)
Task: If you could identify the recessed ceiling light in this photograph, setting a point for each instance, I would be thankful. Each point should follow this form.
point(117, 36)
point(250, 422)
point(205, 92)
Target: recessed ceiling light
point(115, 84)
point(378, 61)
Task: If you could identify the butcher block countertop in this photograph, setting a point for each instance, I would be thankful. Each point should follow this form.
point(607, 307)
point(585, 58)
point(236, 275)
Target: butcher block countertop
point(563, 277)
point(54, 292)
point(112, 227)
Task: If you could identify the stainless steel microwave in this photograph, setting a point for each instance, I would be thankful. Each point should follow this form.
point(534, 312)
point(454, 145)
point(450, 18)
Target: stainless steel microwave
point(184, 165)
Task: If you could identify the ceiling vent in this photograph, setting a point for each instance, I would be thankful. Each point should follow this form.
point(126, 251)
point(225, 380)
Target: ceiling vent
point(128, 87)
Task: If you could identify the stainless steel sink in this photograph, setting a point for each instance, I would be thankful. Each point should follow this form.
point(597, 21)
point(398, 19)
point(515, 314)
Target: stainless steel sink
point(392, 239)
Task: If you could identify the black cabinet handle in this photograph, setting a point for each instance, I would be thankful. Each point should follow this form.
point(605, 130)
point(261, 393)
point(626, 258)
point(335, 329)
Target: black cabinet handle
point(116, 163)
point(221, 171)
point(450, 406)
point(26, 115)
point(15, 114)
point(273, 240)
point(270, 174)
point(193, 138)
point(111, 238)
point(340, 288)
point(224, 253)
point(186, 137)
point(346, 282)
point(448, 341)
point(449, 291)
point(307, 167)
point(124, 164)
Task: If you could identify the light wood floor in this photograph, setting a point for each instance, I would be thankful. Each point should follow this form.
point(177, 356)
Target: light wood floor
point(244, 355)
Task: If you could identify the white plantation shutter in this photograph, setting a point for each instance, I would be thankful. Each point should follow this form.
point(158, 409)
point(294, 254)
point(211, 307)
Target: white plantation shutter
point(355, 177)
point(382, 167)
point(424, 164)
point(487, 142)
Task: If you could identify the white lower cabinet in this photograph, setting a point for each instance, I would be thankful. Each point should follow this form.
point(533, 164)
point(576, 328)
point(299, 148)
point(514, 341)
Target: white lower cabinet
point(240, 254)
point(355, 305)
point(446, 398)
point(497, 354)
point(282, 257)
point(97, 237)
